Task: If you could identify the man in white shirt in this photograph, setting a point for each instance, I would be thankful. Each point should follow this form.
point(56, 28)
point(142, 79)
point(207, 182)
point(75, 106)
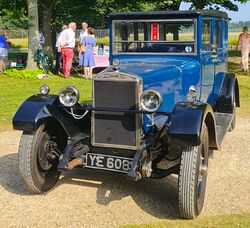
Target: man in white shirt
point(66, 46)
point(58, 54)
point(84, 32)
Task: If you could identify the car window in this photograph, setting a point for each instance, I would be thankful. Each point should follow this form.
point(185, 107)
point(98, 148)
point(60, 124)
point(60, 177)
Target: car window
point(217, 35)
point(206, 35)
point(225, 35)
point(154, 36)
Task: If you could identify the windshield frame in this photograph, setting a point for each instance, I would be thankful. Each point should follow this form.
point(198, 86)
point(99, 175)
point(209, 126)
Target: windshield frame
point(194, 20)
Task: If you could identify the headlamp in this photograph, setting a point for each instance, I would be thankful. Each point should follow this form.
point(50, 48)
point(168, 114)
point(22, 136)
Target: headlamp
point(69, 96)
point(191, 95)
point(44, 90)
point(151, 100)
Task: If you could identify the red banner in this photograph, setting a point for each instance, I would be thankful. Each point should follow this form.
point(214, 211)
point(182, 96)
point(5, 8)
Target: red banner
point(155, 31)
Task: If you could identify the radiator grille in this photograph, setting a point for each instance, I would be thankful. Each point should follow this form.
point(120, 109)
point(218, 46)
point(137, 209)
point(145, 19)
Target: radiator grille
point(115, 129)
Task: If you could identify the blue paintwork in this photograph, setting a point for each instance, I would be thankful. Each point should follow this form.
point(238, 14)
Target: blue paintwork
point(172, 75)
point(31, 111)
point(36, 109)
point(186, 124)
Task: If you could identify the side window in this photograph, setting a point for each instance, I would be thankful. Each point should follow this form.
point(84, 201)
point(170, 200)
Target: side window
point(225, 35)
point(206, 34)
point(217, 35)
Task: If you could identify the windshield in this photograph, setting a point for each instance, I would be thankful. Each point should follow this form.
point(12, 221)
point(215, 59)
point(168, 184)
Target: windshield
point(175, 36)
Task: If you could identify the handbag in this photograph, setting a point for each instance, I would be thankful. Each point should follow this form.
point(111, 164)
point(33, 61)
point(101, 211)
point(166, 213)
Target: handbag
point(83, 48)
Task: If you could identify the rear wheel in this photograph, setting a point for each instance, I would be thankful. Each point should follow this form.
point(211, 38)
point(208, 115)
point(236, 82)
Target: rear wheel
point(193, 177)
point(39, 156)
point(233, 123)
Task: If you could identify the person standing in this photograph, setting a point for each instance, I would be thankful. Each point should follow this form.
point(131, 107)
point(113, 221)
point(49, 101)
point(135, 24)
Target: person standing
point(40, 39)
point(84, 32)
point(66, 46)
point(58, 54)
point(244, 42)
point(3, 50)
point(87, 60)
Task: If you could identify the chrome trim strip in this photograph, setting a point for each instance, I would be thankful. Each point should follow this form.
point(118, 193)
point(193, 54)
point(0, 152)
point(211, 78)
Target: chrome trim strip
point(112, 76)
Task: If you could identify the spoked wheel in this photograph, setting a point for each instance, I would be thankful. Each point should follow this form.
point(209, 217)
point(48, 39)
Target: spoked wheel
point(39, 156)
point(193, 177)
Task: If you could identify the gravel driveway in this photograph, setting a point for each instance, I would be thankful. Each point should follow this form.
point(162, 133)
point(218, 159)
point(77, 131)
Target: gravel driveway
point(93, 199)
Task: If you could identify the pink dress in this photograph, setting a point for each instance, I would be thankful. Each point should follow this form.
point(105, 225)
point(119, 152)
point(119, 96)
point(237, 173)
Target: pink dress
point(245, 49)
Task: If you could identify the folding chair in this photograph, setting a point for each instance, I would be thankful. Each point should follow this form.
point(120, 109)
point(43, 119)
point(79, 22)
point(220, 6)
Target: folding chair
point(75, 68)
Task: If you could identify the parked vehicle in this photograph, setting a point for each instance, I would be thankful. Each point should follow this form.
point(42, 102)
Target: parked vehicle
point(160, 108)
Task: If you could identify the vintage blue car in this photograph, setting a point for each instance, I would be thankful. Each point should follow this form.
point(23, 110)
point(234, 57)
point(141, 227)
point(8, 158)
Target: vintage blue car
point(160, 108)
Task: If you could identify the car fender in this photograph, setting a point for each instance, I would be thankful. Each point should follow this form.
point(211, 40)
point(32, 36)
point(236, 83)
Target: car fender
point(186, 124)
point(36, 109)
point(228, 94)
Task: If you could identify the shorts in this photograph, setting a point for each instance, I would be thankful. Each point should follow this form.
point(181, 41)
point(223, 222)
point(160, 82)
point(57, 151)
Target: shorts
point(3, 53)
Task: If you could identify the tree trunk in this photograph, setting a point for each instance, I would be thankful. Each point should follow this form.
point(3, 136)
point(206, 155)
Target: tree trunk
point(46, 24)
point(32, 30)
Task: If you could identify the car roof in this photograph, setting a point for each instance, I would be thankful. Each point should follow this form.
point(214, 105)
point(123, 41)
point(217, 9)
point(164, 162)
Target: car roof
point(168, 14)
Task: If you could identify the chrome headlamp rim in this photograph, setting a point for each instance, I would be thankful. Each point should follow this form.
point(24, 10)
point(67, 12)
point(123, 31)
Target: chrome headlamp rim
point(191, 95)
point(44, 89)
point(116, 62)
point(73, 91)
point(159, 98)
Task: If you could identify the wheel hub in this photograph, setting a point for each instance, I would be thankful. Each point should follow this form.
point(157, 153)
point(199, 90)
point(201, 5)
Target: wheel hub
point(44, 156)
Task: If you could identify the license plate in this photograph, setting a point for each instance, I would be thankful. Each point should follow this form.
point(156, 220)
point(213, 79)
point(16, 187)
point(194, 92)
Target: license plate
point(107, 162)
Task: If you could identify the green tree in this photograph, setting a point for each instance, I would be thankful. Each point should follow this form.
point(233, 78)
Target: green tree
point(13, 14)
point(215, 4)
point(52, 14)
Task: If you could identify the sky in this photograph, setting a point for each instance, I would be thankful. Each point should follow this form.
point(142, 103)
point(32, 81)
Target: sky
point(243, 14)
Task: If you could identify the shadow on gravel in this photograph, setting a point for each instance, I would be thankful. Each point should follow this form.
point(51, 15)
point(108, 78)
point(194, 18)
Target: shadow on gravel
point(156, 197)
point(9, 175)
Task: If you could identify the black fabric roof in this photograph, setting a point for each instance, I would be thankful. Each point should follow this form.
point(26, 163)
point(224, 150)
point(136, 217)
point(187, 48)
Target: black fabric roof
point(167, 14)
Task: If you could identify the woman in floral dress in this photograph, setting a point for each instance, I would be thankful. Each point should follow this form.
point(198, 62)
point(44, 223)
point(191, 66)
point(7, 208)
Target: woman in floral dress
point(244, 42)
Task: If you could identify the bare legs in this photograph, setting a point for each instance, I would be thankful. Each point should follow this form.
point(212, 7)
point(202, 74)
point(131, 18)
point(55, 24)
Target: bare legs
point(85, 72)
point(2, 66)
point(244, 59)
point(85, 69)
point(90, 72)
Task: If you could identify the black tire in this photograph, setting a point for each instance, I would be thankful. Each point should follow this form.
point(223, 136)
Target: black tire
point(38, 158)
point(193, 177)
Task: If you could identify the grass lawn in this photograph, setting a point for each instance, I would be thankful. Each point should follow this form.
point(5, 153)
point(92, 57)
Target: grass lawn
point(244, 84)
point(23, 42)
point(19, 43)
point(15, 91)
point(231, 221)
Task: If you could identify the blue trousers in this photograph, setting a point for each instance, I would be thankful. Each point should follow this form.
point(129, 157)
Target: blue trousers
point(58, 61)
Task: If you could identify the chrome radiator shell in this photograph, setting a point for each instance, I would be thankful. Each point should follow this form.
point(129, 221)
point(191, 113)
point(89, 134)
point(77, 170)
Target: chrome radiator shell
point(116, 90)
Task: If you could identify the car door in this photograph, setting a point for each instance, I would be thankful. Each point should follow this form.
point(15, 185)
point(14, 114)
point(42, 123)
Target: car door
point(207, 61)
point(220, 35)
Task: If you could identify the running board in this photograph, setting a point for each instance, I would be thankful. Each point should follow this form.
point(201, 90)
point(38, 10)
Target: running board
point(223, 122)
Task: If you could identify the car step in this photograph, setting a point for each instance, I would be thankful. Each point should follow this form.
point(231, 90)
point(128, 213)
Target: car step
point(223, 122)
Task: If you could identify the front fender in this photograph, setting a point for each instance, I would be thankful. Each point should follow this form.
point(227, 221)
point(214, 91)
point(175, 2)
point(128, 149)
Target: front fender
point(186, 124)
point(36, 109)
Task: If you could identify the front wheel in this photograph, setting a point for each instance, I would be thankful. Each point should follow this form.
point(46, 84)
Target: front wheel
point(193, 177)
point(38, 158)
